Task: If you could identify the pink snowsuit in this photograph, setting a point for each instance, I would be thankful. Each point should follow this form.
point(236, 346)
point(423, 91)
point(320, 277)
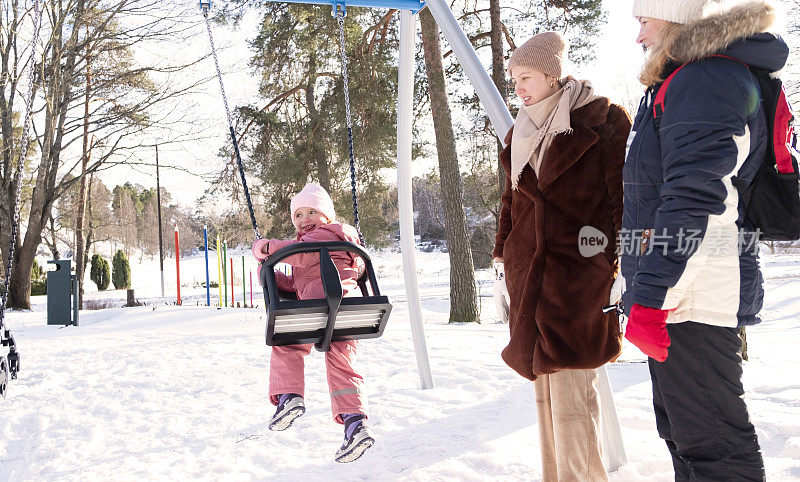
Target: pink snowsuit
point(286, 367)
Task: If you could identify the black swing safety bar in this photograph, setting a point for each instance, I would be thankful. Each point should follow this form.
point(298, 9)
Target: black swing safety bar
point(325, 320)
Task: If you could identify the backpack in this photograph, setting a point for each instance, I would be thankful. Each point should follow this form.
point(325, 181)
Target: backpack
point(772, 200)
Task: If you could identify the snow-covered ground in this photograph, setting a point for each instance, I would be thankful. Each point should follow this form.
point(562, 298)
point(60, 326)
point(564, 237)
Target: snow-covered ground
point(166, 392)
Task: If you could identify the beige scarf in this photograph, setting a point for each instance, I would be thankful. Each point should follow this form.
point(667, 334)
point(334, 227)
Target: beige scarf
point(538, 124)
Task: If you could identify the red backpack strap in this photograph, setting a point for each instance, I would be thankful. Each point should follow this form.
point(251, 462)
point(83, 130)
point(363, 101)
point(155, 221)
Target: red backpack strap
point(658, 104)
point(783, 135)
point(730, 58)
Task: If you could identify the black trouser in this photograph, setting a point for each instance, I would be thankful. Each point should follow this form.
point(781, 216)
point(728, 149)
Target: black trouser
point(700, 412)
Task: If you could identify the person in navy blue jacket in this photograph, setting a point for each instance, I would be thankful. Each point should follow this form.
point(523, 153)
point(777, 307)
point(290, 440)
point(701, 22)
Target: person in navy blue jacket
point(689, 258)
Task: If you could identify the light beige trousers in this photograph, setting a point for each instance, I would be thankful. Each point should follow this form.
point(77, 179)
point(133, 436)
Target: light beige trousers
point(569, 426)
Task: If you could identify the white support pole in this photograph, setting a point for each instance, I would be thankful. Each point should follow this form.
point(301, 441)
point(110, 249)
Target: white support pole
point(613, 447)
point(484, 86)
point(404, 133)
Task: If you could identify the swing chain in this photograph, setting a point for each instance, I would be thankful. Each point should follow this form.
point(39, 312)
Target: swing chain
point(230, 125)
point(216, 64)
point(340, 13)
point(5, 335)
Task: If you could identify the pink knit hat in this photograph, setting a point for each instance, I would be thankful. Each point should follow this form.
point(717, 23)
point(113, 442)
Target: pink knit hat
point(314, 196)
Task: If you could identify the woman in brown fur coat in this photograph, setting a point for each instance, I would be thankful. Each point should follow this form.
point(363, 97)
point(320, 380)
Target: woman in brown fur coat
point(561, 210)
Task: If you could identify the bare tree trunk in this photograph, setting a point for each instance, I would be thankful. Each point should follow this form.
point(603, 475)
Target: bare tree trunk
point(80, 266)
point(19, 290)
point(463, 296)
point(89, 232)
point(499, 78)
point(52, 243)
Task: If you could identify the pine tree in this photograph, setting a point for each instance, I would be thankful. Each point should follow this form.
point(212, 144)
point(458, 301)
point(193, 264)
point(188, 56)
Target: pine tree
point(100, 272)
point(121, 271)
point(38, 281)
point(36, 271)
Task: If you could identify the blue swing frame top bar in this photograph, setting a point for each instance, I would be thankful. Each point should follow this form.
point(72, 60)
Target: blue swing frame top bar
point(413, 5)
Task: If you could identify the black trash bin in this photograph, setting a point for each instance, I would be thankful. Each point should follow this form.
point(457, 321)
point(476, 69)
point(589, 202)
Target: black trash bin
point(62, 293)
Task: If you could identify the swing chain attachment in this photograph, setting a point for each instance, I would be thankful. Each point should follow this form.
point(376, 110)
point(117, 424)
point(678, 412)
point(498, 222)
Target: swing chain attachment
point(338, 8)
point(340, 14)
point(205, 6)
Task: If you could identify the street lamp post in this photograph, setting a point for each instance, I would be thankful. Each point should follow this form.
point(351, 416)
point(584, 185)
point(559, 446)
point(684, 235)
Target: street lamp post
point(160, 234)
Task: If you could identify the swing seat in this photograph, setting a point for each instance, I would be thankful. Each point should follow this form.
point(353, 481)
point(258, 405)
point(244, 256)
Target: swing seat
point(325, 320)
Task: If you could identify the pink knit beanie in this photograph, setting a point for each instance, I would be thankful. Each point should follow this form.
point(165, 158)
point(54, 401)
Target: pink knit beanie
point(314, 196)
point(544, 52)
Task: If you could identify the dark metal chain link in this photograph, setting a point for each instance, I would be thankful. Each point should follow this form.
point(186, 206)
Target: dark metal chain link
point(340, 18)
point(232, 131)
point(23, 153)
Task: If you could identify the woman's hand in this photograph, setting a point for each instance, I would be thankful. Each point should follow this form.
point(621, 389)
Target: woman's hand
point(501, 298)
point(647, 329)
point(617, 289)
point(261, 249)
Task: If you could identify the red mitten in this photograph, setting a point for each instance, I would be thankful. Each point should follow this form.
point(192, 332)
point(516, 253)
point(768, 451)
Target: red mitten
point(647, 329)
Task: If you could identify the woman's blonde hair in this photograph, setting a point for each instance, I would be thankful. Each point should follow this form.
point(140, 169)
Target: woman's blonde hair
point(661, 54)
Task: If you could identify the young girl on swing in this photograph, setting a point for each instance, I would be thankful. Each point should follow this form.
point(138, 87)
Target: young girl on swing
point(314, 218)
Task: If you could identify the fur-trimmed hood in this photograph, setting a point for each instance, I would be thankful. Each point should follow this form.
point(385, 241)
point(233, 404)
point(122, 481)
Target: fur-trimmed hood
point(740, 32)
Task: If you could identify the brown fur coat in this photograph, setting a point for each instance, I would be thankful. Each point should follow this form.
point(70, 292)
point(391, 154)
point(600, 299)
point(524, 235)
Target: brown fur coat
point(557, 294)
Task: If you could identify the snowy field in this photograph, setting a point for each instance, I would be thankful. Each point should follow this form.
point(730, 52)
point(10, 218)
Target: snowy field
point(166, 392)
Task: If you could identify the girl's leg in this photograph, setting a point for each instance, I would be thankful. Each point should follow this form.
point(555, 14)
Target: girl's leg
point(286, 370)
point(702, 414)
point(344, 382)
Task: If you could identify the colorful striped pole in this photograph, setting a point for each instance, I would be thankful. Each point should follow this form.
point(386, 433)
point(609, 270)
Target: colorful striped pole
point(219, 272)
point(208, 286)
point(178, 263)
point(225, 269)
point(244, 287)
point(232, 301)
